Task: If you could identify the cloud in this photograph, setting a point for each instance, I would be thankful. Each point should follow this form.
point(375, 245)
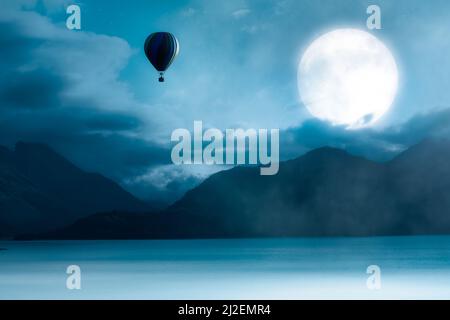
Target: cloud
point(89, 64)
point(33, 89)
point(81, 102)
point(169, 182)
point(188, 12)
point(241, 13)
point(111, 122)
point(63, 88)
point(376, 144)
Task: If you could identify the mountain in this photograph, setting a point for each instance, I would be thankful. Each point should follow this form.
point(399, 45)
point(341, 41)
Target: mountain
point(326, 192)
point(40, 190)
point(420, 180)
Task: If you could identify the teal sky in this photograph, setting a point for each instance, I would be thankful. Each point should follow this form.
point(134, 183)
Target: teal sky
point(253, 47)
point(93, 96)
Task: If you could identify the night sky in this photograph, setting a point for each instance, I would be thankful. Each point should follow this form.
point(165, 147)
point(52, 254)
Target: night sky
point(93, 96)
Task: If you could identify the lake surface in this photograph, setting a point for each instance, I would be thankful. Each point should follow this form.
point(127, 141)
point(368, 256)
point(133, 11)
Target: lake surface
point(411, 268)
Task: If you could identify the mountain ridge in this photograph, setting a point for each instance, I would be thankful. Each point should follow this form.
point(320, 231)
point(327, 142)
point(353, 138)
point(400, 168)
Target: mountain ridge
point(326, 192)
point(41, 190)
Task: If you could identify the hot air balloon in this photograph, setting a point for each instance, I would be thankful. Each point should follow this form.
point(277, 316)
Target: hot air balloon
point(161, 48)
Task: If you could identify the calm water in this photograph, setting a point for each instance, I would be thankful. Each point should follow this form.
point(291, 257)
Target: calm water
point(411, 267)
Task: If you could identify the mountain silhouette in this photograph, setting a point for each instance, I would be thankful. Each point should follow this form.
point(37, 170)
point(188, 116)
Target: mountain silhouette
point(326, 192)
point(40, 191)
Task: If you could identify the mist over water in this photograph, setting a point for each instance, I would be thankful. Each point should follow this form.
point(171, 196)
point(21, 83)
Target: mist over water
point(411, 268)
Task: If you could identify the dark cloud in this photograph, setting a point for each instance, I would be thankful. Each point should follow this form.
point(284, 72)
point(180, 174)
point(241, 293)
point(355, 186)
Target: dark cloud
point(63, 89)
point(431, 124)
point(113, 122)
point(35, 89)
point(24, 84)
point(52, 92)
point(106, 151)
point(114, 155)
point(379, 145)
point(15, 45)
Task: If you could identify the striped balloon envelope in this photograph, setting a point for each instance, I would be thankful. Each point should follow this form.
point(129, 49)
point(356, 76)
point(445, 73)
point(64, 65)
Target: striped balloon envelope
point(161, 48)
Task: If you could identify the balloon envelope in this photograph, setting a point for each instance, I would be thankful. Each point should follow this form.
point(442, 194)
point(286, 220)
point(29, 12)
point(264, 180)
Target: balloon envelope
point(161, 48)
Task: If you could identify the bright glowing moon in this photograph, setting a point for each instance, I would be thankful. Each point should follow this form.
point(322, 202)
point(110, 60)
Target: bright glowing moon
point(348, 77)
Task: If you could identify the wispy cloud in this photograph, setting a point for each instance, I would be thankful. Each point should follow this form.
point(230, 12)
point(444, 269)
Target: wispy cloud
point(241, 13)
point(188, 12)
point(94, 96)
point(63, 88)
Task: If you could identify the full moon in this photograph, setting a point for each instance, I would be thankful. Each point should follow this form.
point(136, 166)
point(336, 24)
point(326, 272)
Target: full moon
point(348, 77)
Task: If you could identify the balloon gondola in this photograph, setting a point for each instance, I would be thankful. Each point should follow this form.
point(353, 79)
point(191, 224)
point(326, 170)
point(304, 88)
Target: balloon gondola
point(161, 49)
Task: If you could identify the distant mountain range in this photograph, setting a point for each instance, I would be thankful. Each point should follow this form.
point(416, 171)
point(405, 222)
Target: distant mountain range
point(42, 191)
point(326, 192)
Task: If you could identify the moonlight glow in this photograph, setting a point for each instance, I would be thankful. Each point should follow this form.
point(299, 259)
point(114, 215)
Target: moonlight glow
point(348, 77)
